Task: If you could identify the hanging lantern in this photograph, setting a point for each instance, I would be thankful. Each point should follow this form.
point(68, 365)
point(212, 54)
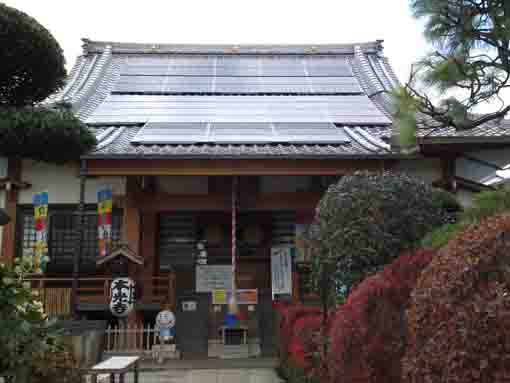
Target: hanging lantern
point(122, 297)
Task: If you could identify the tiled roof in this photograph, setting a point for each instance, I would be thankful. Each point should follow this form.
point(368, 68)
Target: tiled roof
point(488, 131)
point(90, 46)
point(119, 87)
point(116, 142)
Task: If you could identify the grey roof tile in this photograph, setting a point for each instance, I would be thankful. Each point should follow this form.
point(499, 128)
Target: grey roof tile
point(489, 130)
point(118, 143)
point(91, 46)
point(96, 73)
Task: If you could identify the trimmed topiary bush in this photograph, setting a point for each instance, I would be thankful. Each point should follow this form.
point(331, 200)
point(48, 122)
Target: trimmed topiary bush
point(32, 68)
point(365, 220)
point(368, 332)
point(458, 320)
point(43, 135)
point(33, 64)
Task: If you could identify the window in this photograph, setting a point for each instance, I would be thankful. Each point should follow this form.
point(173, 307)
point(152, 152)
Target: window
point(62, 236)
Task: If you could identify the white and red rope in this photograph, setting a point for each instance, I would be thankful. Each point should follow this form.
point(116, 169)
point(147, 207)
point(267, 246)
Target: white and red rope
point(233, 303)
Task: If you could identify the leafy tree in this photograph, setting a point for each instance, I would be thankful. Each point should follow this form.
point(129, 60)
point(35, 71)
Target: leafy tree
point(32, 69)
point(367, 219)
point(470, 66)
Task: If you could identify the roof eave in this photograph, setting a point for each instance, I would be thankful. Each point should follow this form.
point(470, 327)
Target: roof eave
point(388, 156)
point(464, 140)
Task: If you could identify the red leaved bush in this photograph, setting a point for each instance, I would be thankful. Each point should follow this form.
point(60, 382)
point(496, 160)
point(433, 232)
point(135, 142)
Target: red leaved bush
point(288, 314)
point(459, 317)
point(368, 332)
point(305, 342)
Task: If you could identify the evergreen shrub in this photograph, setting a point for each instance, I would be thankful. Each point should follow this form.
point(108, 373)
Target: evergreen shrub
point(367, 219)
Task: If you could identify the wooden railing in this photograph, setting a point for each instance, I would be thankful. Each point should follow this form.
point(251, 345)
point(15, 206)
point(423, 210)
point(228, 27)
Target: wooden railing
point(55, 293)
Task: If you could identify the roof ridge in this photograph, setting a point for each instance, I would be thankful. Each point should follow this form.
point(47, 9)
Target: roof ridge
point(93, 46)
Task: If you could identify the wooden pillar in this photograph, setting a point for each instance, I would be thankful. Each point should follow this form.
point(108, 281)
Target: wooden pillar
point(148, 243)
point(11, 197)
point(448, 171)
point(132, 220)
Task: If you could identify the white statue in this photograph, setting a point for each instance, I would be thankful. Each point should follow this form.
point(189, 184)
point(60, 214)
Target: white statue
point(165, 325)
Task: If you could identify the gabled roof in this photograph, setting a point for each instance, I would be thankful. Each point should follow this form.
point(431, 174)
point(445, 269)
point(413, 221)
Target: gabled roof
point(276, 101)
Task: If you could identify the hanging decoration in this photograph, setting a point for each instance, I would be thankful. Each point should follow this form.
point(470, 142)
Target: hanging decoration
point(40, 201)
point(104, 224)
point(122, 296)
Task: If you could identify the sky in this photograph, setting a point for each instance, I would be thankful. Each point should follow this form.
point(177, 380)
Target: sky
point(233, 22)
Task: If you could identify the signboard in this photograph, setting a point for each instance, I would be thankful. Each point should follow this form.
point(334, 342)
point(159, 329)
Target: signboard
point(104, 217)
point(122, 300)
point(40, 201)
point(281, 270)
point(213, 277)
point(244, 297)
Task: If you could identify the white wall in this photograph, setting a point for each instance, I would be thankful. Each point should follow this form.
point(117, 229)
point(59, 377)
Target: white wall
point(62, 183)
point(427, 169)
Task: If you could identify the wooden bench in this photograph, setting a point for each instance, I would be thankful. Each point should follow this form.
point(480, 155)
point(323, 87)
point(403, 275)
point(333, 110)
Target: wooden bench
point(115, 365)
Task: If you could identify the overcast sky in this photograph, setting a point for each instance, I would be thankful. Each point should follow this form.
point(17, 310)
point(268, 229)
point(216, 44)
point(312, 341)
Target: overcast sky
point(233, 21)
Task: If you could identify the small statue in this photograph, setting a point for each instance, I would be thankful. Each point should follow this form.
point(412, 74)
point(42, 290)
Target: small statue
point(165, 326)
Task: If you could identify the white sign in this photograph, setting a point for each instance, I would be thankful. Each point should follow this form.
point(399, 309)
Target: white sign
point(281, 270)
point(122, 296)
point(213, 277)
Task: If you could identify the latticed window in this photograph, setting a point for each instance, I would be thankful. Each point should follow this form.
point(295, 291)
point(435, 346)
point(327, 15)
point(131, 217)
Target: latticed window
point(63, 235)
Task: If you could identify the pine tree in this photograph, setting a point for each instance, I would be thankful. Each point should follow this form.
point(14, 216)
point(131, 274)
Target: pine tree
point(469, 68)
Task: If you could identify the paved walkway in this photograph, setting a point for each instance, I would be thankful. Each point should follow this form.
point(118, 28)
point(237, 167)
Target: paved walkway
point(253, 370)
point(232, 375)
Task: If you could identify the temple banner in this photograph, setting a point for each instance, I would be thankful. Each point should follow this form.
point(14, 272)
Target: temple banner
point(281, 270)
point(40, 201)
point(104, 224)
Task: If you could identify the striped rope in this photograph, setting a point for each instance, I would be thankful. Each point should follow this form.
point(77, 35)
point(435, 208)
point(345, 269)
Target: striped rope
point(233, 303)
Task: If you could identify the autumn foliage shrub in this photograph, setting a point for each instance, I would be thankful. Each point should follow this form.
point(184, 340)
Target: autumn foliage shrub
point(368, 332)
point(288, 315)
point(459, 317)
point(299, 327)
point(304, 345)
